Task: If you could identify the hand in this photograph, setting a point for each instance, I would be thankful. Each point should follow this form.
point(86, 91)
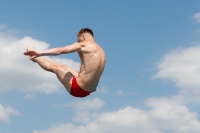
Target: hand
point(31, 54)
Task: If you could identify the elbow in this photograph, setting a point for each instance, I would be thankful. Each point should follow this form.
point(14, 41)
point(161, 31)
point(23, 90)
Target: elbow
point(59, 51)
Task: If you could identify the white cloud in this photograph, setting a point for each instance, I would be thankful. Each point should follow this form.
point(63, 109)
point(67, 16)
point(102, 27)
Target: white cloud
point(29, 96)
point(123, 93)
point(89, 104)
point(17, 72)
point(5, 112)
point(197, 17)
point(182, 66)
point(168, 114)
point(127, 120)
point(102, 89)
point(164, 115)
point(69, 128)
point(84, 107)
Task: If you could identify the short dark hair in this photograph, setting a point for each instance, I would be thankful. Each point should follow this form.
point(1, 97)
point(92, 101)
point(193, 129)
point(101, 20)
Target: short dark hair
point(85, 30)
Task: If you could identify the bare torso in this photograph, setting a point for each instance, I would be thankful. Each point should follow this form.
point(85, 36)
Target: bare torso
point(92, 65)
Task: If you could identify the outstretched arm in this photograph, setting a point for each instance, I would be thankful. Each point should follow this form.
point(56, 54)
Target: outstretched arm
point(56, 51)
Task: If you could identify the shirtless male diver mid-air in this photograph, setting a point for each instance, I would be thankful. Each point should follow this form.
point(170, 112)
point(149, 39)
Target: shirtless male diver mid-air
point(92, 56)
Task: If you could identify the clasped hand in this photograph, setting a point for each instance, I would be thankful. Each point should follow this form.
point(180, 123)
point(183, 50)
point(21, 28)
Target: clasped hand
point(31, 54)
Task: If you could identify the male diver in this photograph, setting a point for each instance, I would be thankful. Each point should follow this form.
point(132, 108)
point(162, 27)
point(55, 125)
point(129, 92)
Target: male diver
point(92, 56)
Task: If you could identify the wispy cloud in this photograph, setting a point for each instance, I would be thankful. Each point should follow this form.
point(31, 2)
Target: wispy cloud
point(89, 104)
point(84, 109)
point(2, 26)
point(5, 112)
point(29, 96)
point(123, 93)
point(103, 89)
point(196, 16)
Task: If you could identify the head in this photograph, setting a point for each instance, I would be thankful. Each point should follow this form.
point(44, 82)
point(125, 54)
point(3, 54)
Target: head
point(85, 34)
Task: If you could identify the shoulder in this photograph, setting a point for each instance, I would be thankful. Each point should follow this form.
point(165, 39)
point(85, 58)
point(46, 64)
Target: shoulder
point(80, 44)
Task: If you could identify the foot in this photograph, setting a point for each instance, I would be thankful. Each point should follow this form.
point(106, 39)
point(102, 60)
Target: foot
point(31, 49)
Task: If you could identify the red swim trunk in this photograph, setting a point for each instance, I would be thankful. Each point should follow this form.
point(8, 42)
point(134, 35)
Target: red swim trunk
point(76, 91)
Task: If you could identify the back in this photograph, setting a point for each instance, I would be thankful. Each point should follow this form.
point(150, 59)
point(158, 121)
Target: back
point(92, 65)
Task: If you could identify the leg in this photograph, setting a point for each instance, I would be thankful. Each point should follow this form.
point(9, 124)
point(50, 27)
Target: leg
point(63, 73)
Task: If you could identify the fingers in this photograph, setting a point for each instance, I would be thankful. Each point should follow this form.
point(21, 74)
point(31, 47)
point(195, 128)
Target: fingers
point(31, 54)
point(25, 53)
point(28, 52)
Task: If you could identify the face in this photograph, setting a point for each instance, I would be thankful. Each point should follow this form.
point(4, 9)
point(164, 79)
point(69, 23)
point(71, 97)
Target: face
point(81, 38)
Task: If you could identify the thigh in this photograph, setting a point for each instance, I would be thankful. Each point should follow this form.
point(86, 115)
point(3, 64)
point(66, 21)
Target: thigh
point(58, 66)
point(65, 76)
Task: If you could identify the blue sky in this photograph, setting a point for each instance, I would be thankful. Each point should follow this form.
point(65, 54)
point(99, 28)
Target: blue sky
point(151, 79)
